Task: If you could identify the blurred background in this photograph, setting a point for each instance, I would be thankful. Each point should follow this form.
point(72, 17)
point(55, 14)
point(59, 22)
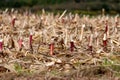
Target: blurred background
point(85, 6)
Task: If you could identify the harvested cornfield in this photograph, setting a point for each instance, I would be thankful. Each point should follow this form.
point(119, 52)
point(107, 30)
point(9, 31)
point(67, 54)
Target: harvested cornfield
point(59, 47)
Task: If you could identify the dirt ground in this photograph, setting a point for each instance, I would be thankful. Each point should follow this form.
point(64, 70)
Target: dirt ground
point(96, 73)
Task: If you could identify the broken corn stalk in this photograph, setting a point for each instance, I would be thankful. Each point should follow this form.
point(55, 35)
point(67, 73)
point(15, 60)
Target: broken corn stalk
point(51, 48)
point(20, 43)
point(1, 44)
point(72, 46)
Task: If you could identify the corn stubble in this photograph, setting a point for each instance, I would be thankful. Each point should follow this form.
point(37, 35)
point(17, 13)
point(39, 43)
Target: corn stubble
point(58, 45)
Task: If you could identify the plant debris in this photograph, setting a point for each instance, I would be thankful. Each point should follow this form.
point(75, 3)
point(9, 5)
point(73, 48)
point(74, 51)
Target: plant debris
point(59, 47)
